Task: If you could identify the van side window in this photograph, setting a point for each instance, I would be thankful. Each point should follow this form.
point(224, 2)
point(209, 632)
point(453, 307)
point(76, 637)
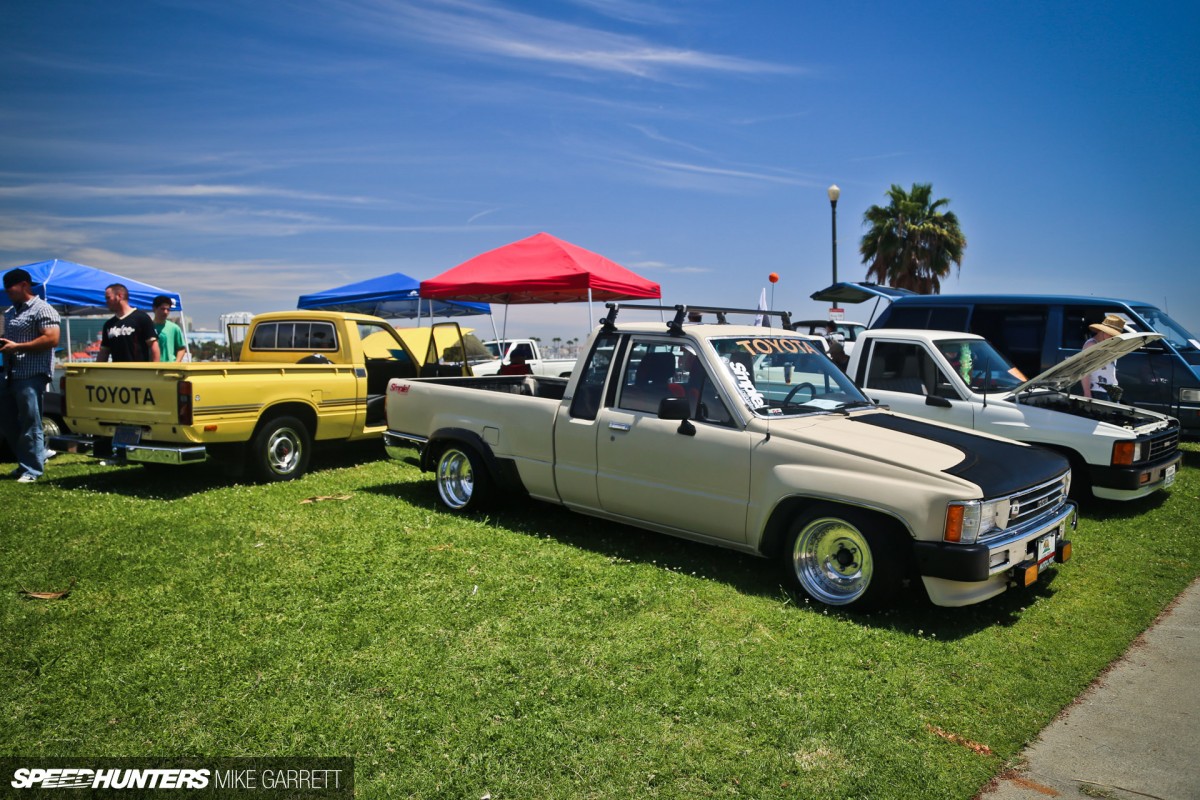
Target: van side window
point(951, 318)
point(1076, 320)
point(1016, 331)
point(906, 317)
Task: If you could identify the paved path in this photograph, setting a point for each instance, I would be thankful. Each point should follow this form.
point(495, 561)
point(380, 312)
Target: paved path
point(1135, 732)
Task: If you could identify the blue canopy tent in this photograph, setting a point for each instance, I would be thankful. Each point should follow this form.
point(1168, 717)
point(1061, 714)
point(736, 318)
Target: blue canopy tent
point(395, 296)
point(77, 290)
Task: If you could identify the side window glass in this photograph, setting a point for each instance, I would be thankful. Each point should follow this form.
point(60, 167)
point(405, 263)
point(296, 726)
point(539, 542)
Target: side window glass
point(649, 376)
point(264, 337)
point(285, 338)
point(948, 319)
point(300, 338)
point(590, 391)
point(901, 367)
point(321, 337)
point(705, 403)
point(523, 350)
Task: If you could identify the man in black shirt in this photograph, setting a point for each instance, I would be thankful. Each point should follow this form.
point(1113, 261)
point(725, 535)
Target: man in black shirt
point(130, 335)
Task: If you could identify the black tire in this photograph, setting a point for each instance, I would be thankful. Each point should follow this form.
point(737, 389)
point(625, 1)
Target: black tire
point(463, 482)
point(281, 450)
point(845, 557)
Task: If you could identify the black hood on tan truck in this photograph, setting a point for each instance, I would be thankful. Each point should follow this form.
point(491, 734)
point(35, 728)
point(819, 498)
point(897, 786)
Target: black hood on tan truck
point(996, 466)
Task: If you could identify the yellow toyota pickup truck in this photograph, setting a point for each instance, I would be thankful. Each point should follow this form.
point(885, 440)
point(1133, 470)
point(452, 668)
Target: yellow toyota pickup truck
point(302, 377)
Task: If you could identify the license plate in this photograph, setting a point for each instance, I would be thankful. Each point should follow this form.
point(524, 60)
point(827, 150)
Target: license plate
point(1169, 476)
point(126, 435)
point(1045, 551)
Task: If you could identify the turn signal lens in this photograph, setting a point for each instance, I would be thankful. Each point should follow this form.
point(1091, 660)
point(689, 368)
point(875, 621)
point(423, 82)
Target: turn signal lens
point(954, 523)
point(1124, 453)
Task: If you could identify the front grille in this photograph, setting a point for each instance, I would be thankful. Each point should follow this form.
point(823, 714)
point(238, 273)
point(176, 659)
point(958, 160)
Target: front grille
point(1029, 504)
point(1035, 502)
point(1163, 445)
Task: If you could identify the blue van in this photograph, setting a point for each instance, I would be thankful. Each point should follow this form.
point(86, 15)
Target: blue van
point(1038, 331)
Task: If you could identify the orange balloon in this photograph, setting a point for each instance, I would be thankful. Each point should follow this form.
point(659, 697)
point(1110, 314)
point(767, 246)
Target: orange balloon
point(773, 277)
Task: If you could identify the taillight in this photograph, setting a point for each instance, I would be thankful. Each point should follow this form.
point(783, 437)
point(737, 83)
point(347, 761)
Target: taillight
point(184, 399)
point(62, 389)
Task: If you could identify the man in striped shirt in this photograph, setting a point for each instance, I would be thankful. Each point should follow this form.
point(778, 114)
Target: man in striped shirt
point(27, 347)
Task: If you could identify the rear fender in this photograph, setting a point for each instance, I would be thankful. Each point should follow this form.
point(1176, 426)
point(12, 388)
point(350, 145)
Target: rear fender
point(502, 470)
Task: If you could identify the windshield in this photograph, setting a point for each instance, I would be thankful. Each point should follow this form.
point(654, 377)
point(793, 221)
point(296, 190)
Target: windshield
point(493, 348)
point(1171, 330)
point(785, 376)
point(980, 365)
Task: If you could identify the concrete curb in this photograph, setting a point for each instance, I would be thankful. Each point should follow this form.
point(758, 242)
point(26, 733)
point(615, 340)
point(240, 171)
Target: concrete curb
point(1134, 733)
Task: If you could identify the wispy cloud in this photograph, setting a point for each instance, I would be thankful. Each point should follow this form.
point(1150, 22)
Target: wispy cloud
point(160, 191)
point(492, 30)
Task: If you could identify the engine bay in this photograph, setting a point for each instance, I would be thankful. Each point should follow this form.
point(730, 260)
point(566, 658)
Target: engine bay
point(1123, 416)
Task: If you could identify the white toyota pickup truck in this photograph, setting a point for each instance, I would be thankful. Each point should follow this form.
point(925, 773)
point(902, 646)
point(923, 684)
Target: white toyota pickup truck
point(1118, 451)
point(516, 353)
point(664, 427)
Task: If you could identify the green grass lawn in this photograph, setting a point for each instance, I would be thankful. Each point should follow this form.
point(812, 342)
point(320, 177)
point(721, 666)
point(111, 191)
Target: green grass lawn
point(532, 654)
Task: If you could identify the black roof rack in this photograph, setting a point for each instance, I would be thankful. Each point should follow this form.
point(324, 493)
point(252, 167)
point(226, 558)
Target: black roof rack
point(675, 326)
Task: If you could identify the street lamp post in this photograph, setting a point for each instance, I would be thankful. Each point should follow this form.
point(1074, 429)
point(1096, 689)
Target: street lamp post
point(834, 193)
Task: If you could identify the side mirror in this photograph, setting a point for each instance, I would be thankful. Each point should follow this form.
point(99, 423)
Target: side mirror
point(677, 408)
point(939, 402)
point(673, 408)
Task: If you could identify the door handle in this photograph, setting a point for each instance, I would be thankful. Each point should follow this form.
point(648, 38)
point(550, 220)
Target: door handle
point(619, 426)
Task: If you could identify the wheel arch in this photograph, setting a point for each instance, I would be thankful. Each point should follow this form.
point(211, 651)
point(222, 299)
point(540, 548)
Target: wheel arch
point(301, 411)
point(775, 532)
point(501, 470)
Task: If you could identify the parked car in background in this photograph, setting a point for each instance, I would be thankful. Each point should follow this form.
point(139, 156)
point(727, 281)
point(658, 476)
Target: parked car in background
point(1116, 451)
point(846, 332)
point(1037, 331)
point(302, 377)
point(512, 354)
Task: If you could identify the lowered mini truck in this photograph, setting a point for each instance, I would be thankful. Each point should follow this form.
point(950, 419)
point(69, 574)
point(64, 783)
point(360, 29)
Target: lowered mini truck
point(302, 377)
point(663, 427)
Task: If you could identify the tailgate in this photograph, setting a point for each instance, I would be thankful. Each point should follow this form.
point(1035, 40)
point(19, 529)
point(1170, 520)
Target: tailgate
point(129, 394)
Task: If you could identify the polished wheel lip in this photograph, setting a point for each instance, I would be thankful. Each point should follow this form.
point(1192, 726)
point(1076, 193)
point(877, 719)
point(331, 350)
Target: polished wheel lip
point(817, 557)
point(284, 449)
point(455, 478)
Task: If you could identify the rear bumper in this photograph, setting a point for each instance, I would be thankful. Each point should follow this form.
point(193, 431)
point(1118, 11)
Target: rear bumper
point(958, 575)
point(401, 445)
point(1130, 483)
point(135, 454)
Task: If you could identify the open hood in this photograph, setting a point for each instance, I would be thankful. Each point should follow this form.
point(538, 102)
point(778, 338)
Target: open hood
point(857, 293)
point(1067, 373)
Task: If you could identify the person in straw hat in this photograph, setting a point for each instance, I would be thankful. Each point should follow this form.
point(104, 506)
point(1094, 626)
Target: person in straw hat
point(1100, 383)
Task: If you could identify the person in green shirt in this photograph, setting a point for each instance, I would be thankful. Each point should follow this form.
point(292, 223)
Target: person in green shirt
point(171, 345)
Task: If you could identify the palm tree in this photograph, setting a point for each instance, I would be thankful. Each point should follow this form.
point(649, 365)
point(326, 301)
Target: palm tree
point(912, 242)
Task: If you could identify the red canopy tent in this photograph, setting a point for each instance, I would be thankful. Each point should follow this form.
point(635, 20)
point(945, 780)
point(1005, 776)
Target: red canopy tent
point(540, 269)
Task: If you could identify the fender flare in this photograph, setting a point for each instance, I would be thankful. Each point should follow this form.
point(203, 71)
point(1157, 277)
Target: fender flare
point(502, 470)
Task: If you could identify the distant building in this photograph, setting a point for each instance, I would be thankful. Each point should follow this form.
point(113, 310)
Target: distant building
point(240, 320)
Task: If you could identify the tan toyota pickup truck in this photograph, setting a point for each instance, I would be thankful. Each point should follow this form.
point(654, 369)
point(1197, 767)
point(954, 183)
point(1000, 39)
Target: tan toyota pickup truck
point(664, 427)
point(302, 377)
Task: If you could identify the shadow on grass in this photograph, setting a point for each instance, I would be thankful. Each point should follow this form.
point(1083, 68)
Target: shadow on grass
point(911, 611)
point(1121, 509)
point(168, 482)
point(1191, 458)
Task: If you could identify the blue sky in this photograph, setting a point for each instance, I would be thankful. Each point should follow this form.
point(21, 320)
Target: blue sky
point(244, 153)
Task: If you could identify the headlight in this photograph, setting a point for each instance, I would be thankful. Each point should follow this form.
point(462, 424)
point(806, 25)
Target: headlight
point(1125, 453)
point(968, 520)
point(1189, 395)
